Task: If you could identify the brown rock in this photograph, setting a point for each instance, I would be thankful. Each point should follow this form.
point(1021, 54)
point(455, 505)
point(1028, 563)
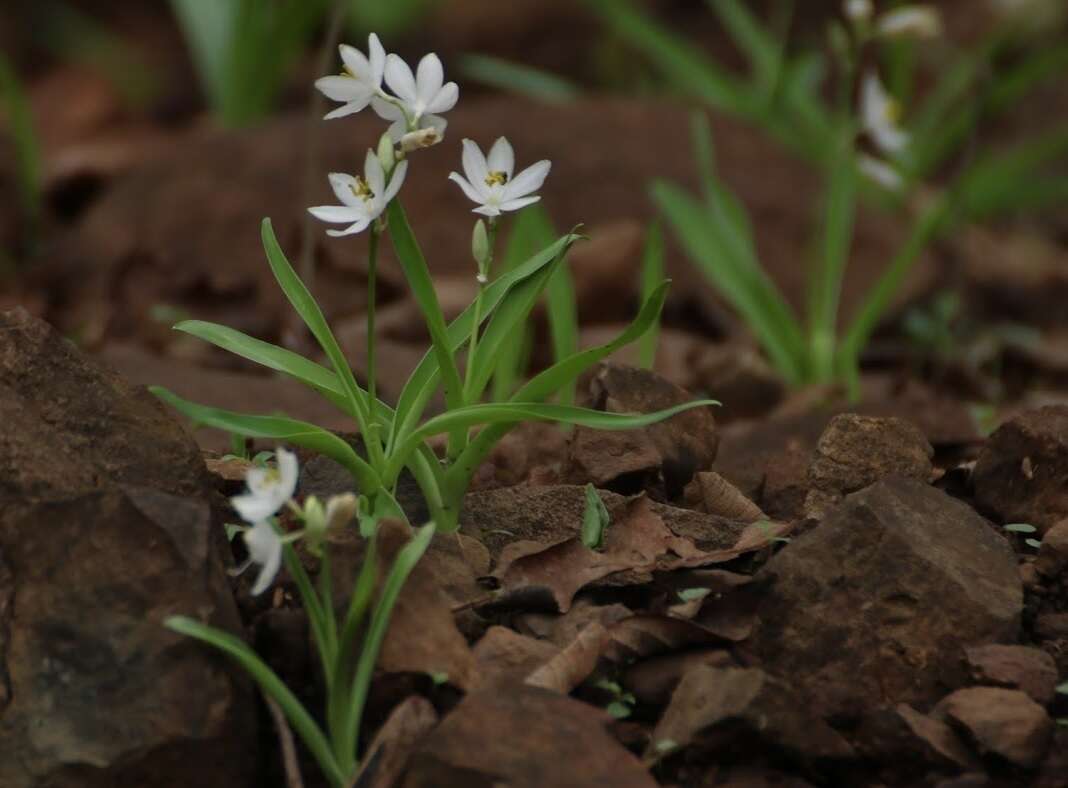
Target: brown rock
point(523, 737)
point(877, 600)
point(686, 443)
point(1052, 626)
point(1003, 722)
point(105, 531)
point(741, 379)
point(857, 451)
point(937, 741)
point(1053, 554)
point(609, 458)
point(726, 709)
point(1019, 476)
point(1027, 669)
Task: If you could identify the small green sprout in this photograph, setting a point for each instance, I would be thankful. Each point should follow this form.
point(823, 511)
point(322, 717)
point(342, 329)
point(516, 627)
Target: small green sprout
point(595, 520)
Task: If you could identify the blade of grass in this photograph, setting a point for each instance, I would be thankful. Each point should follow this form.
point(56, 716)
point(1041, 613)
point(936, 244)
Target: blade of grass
point(518, 79)
point(27, 151)
point(298, 717)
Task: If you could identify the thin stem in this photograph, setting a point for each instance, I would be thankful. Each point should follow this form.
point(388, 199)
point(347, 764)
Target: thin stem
point(372, 276)
point(485, 269)
point(285, 738)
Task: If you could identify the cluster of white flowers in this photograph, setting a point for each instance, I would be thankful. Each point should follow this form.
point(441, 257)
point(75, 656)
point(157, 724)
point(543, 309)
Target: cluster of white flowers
point(880, 114)
point(414, 109)
point(269, 490)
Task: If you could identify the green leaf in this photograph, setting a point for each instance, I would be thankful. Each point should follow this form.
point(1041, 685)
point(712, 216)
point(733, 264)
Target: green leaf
point(719, 247)
point(422, 286)
point(595, 520)
point(825, 284)
point(279, 428)
point(652, 275)
point(518, 79)
point(301, 299)
point(685, 65)
point(1020, 528)
point(302, 722)
point(508, 318)
point(406, 559)
point(548, 382)
point(563, 322)
point(421, 383)
point(512, 412)
point(750, 37)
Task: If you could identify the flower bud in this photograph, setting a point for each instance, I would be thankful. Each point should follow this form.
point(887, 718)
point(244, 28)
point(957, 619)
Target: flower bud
point(480, 244)
point(386, 154)
point(314, 525)
point(420, 138)
point(340, 510)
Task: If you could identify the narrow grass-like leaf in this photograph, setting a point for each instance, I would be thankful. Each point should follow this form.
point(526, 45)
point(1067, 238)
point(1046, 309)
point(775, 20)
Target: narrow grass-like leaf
point(511, 412)
point(519, 79)
point(302, 722)
point(406, 559)
point(416, 272)
point(423, 380)
point(993, 181)
point(747, 33)
point(279, 428)
point(686, 66)
point(303, 301)
point(729, 270)
point(652, 277)
point(562, 309)
point(835, 240)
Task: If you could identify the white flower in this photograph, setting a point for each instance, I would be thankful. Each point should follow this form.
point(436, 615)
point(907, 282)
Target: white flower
point(268, 489)
point(361, 81)
point(421, 97)
point(265, 549)
point(362, 199)
point(490, 183)
point(879, 115)
point(921, 21)
point(880, 172)
point(858, 10)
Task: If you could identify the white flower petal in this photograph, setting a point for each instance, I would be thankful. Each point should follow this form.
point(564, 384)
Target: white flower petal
point(428, 79)
point(252, 507)
point(472, 193)
point(922, 21)
point(501, 157)
point(372, 171)
point(337, 88)
point(487, 210)
point(396, 180)
point(386, 110)
point(445, 99)
point(343, 185)
point(357, 227)
point(400, 79)
point(356, 64)
point(435, 122)
point(880, 172)
point(521, 202)
point(528, 181)
point(336, 214)
point(288, 471)
point(377, 57)
point(877, 115)
point(344, 110)
point(475, 167)
point(264, 548)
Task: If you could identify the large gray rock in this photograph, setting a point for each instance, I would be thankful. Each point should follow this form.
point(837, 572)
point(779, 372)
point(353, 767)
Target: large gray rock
point(873, 606)
point(105, 530)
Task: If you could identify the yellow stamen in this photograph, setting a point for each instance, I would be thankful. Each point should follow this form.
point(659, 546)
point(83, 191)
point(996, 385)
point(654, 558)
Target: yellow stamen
point(496, 178)
point(362, 190)
point(348, 72)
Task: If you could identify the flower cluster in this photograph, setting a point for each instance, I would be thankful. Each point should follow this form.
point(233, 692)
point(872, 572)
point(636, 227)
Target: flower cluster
point(269, 490)
point(414, 108)
point(880, 113)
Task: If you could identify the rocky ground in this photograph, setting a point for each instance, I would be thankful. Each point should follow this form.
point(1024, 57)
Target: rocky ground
point(795, 591)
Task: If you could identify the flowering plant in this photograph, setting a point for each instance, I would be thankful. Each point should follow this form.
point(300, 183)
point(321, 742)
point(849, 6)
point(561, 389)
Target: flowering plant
point(396, 437)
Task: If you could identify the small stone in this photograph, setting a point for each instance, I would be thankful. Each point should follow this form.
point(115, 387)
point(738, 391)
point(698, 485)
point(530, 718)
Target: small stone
point(1002, 722)
point(855, 451)
point(1019, 476)
point(1053, 554)
point(1052, 626)
point(1027, 669)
